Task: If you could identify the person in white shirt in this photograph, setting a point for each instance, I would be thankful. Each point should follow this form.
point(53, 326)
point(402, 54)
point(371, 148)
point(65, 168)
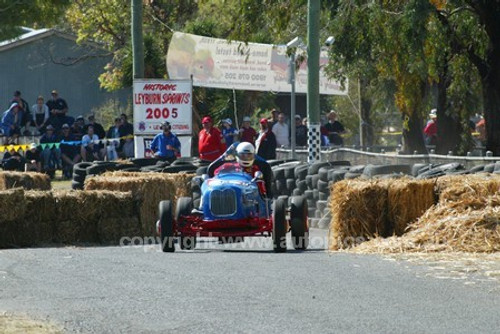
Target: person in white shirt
point(281, 131)
point(41, 114)
point(90, 146)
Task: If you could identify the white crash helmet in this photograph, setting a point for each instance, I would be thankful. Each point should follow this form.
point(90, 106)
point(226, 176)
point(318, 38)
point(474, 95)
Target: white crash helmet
point(245, 154)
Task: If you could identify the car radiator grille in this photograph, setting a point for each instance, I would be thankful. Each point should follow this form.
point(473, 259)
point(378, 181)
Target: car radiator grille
point(223, 202)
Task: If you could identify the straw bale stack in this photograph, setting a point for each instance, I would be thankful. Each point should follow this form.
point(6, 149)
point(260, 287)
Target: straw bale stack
point(12, 209)
point(26, 180)
point(39, 222)
point(469, 225)
point(358, 212)
point(148, 190)
point(407, 200)
point(465, 187)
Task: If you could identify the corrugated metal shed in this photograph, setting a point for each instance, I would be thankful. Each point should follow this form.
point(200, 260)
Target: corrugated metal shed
point(39, 61)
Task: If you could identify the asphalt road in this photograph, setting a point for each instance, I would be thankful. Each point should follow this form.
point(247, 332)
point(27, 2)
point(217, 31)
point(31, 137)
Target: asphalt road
point(238, 289)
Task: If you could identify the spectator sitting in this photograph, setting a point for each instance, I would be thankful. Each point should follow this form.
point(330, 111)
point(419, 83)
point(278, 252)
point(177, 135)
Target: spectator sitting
point(33, 160)
point(70, 154)
point(11, 123)
point(40, 115)
point(266, 142)
point(112, 149)
point(281, 131)
point(98, 129)
point(334, 129)
point(51, 153)
point(247, 133)
point(90, 146)
point(58, 109)
point(77, 128)
point(13, 160)
point(300, 132)
point(229, 133)
point(126, 144)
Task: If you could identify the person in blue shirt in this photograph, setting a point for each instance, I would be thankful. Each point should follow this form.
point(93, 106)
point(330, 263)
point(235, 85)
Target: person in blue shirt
point(228, 132)
point(166, 146)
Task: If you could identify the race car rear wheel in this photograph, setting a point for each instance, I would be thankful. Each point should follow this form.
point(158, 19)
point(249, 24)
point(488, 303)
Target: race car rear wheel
point(166, 226)
point(298, 222)
point(279, 226)
point(184, 207)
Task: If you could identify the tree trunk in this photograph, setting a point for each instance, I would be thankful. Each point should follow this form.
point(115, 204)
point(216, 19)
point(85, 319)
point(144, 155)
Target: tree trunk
point(448, 126)
point(413, 140)
point(366, 108)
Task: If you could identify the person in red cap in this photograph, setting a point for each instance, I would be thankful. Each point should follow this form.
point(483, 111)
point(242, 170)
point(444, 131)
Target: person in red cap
point(266, 141)
point(210, 142)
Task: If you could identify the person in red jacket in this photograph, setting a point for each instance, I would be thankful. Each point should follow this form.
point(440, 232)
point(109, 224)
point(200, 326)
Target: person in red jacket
point(210, 142)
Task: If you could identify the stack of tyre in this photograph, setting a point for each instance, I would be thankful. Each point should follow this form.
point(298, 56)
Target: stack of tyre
point(147, 165)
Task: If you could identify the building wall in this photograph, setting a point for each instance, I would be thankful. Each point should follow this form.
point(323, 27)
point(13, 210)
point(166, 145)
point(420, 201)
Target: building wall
point(55, 62)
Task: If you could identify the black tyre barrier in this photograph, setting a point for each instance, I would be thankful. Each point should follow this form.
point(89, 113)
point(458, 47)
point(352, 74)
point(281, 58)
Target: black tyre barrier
point(336, 175)
point(321, 205)
point(280, 187)
point(296, 192)
point(372, 170)
point(278, 173)
point(300, 172)
point(79, 178)
point(417, 167)
point(315, 194)
point(131, 169)
point(323, 196)
point(179, 168)
point(309, 182)
point(351, 175)
point(161, 163)
point(201, 170)
point(477, 169)
point(489, 168)
point(76, 185)
point(357, 169)
point(290, 184)
point(314, 168)
point(182, 163)
point(96, 169)
point(289, 172)
point(314, 181)
point(302, 186)
point(323, 186)
point(309, 194)
point(143, 162)
point(311, 211)
point(81, 168)
point(431, 174)
point(457, 172)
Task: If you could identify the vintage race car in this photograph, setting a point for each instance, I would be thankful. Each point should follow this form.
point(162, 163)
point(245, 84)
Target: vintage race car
point(233, 206)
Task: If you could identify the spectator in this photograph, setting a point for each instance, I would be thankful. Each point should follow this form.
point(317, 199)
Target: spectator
point(229, 133)
point(112, 148)
point(481, 130)
point(281, 131)
point(33, 160)
point(90, 146)
point(98, 129)
point(166, 145)
point(70, 154)
point(126, 144)
point(300, 132)
point(24, 112)
point(430, 130)
point(273, 119)
point(266, 142)
point(11, 123)
point(13, 160)
point(334, 129)
point(40, 115)
point(51, 153)
point(247, 133)
point(210, 144)
point(58, 109)
point(77, 128)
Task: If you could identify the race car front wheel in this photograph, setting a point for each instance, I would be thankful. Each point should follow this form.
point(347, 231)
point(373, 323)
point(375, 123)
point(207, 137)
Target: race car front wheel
point(279, 226)
point(166, 226)
point(298, 222)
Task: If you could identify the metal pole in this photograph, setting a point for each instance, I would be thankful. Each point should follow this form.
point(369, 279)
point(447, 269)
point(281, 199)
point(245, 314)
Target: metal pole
point(313, 112)
point(292, 106)
point(137, 40)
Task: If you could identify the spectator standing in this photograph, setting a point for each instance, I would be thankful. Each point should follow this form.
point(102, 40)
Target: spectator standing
point(481, 129)
point(126, 144)
point(273, 119)
point(112, 148)
point(41, 114)
point(300, 132)
point(229, 133)
point(51, 153)
point(11, 122)
point(90, 146)
point(266, 142)
point(77, 128)
point(430, 130)
point(33, 159)
point(166, 145)
point(70, 154)
point(281, 131)
point(210, 143)
point(334, 129)
point(247, 133)
point(24, 111)
point(58, 109)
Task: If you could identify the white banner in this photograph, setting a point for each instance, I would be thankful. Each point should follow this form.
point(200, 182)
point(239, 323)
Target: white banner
point(218, 63)
point(157, 101)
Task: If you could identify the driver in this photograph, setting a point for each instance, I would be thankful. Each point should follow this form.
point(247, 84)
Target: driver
point(247, 159)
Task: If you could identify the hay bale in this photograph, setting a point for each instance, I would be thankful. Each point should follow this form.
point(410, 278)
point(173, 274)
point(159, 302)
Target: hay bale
point(148, 190)
point(359, 212)
point(407, 200)
point(40, 218)
point(28, 181)
point(471, 225)
point(467, 187)
point(12, 210)
point(112, 230)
